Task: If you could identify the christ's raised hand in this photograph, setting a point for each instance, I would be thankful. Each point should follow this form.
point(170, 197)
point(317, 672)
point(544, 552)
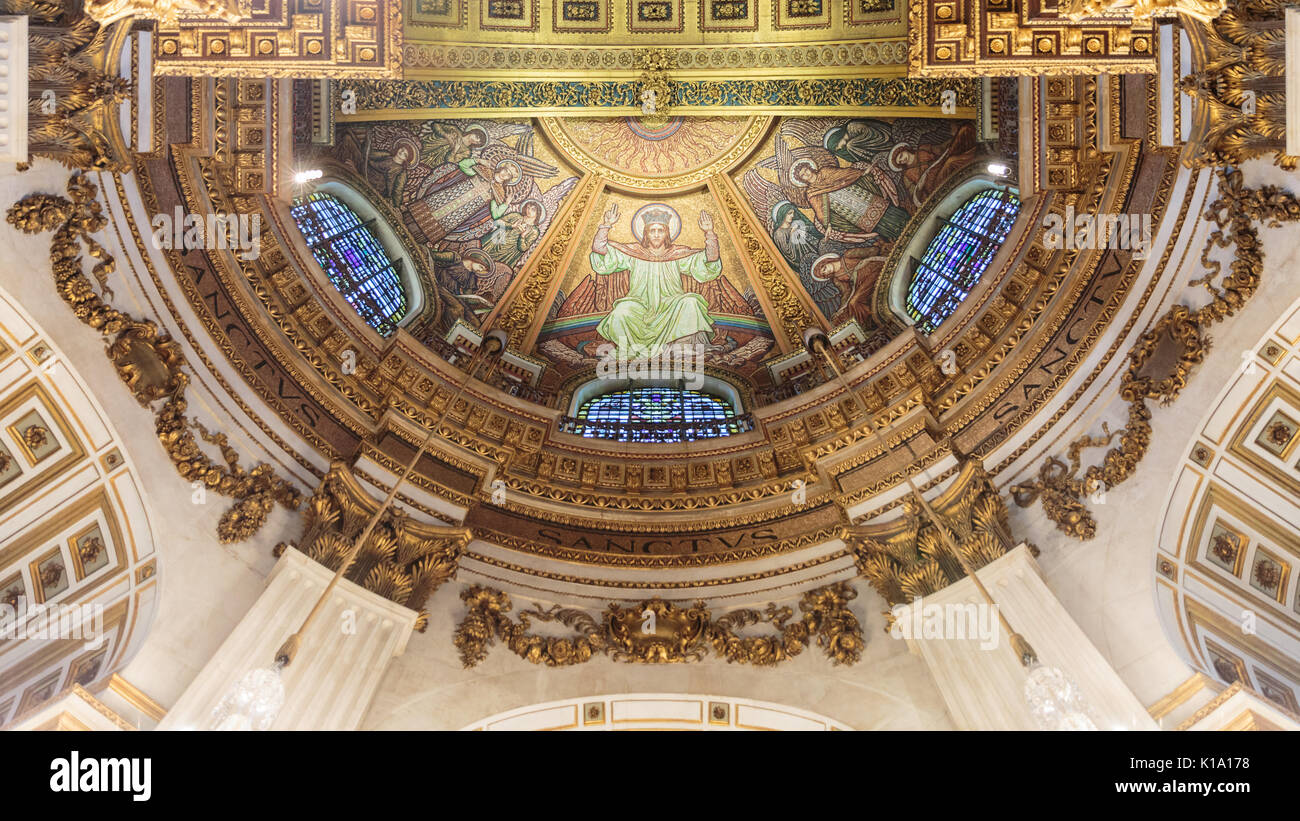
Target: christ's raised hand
point(706, 222)
point(600, 242)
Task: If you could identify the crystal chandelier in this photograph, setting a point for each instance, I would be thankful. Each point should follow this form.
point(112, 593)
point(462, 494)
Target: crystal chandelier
point(1055, 701)
point(253, 702)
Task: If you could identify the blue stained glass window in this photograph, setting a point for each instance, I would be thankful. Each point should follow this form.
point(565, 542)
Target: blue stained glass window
point(656, 414)
point(353, 258)
point(958, 256)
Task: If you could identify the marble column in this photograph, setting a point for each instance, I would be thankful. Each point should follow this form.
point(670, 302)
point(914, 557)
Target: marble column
point(334, 676)
point(981, 678)
point(13, 88)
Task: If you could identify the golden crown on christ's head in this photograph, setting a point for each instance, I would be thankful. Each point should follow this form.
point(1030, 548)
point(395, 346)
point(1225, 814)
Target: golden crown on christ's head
point(657, 217)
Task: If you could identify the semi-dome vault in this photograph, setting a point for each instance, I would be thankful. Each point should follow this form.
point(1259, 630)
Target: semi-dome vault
point(696, 306)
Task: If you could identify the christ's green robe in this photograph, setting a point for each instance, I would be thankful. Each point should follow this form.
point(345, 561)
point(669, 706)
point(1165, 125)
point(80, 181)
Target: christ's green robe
point(656, 309)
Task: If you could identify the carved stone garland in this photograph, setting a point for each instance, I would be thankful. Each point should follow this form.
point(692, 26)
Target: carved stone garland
point(659, 632)
point(146, 359)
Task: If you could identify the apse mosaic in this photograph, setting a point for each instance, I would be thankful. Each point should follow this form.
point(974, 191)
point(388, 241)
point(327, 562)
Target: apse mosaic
point(836, 194)
point(649, 263)
point(649, 274)
point(475, 194)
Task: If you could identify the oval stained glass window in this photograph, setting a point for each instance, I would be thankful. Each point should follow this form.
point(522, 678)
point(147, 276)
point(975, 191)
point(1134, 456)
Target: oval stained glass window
point(353, 258)
point(959, 255)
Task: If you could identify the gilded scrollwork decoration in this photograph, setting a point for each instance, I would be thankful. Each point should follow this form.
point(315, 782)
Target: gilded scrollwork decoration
point(655, 93)
point(1181, 338)
point(147, 360)
point(661, 632)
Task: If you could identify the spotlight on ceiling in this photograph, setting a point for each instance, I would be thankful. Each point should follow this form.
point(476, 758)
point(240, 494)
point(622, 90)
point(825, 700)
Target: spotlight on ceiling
point(304, 177)
point(1000, 169)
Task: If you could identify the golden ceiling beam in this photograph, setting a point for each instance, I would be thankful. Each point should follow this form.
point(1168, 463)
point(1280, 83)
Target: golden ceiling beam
point(1001, 38)
point(339, 38)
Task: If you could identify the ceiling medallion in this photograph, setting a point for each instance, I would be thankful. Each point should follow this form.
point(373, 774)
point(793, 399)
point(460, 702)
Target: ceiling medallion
point(655, 153)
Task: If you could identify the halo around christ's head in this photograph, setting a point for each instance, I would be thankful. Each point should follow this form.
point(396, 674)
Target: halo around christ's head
point(660, 213)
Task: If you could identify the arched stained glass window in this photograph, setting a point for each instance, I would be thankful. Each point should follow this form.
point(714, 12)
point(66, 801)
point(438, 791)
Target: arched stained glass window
point(656, 414)
point(958, 256)
point(353, 258)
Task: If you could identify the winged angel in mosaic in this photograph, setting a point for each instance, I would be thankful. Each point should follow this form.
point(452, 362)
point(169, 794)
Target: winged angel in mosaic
point(835, 195)
point(472, 192)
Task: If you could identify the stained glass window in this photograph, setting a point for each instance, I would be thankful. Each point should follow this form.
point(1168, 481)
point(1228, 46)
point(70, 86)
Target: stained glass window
point(958, 256)
point(656, 414)
point(353, 258)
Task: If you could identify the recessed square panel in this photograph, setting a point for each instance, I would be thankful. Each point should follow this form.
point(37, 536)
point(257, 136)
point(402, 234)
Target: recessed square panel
point(1226, 548)
point(593, 712)
point(40, 692)
point(728, 15)
point(50, 574)
point(581, 15)
point(1279, 435)
point(801, 14)
point(12, 590)
point(1202, 454)
point(10, 469)
point(90, 551)
point(32, 434)
point(87, 668)
point(654, 16)
point(438, 12)
point(875, 11)
point(1229, 668)
point(1276, 691)
point(507, 15)
point(1269, 574)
